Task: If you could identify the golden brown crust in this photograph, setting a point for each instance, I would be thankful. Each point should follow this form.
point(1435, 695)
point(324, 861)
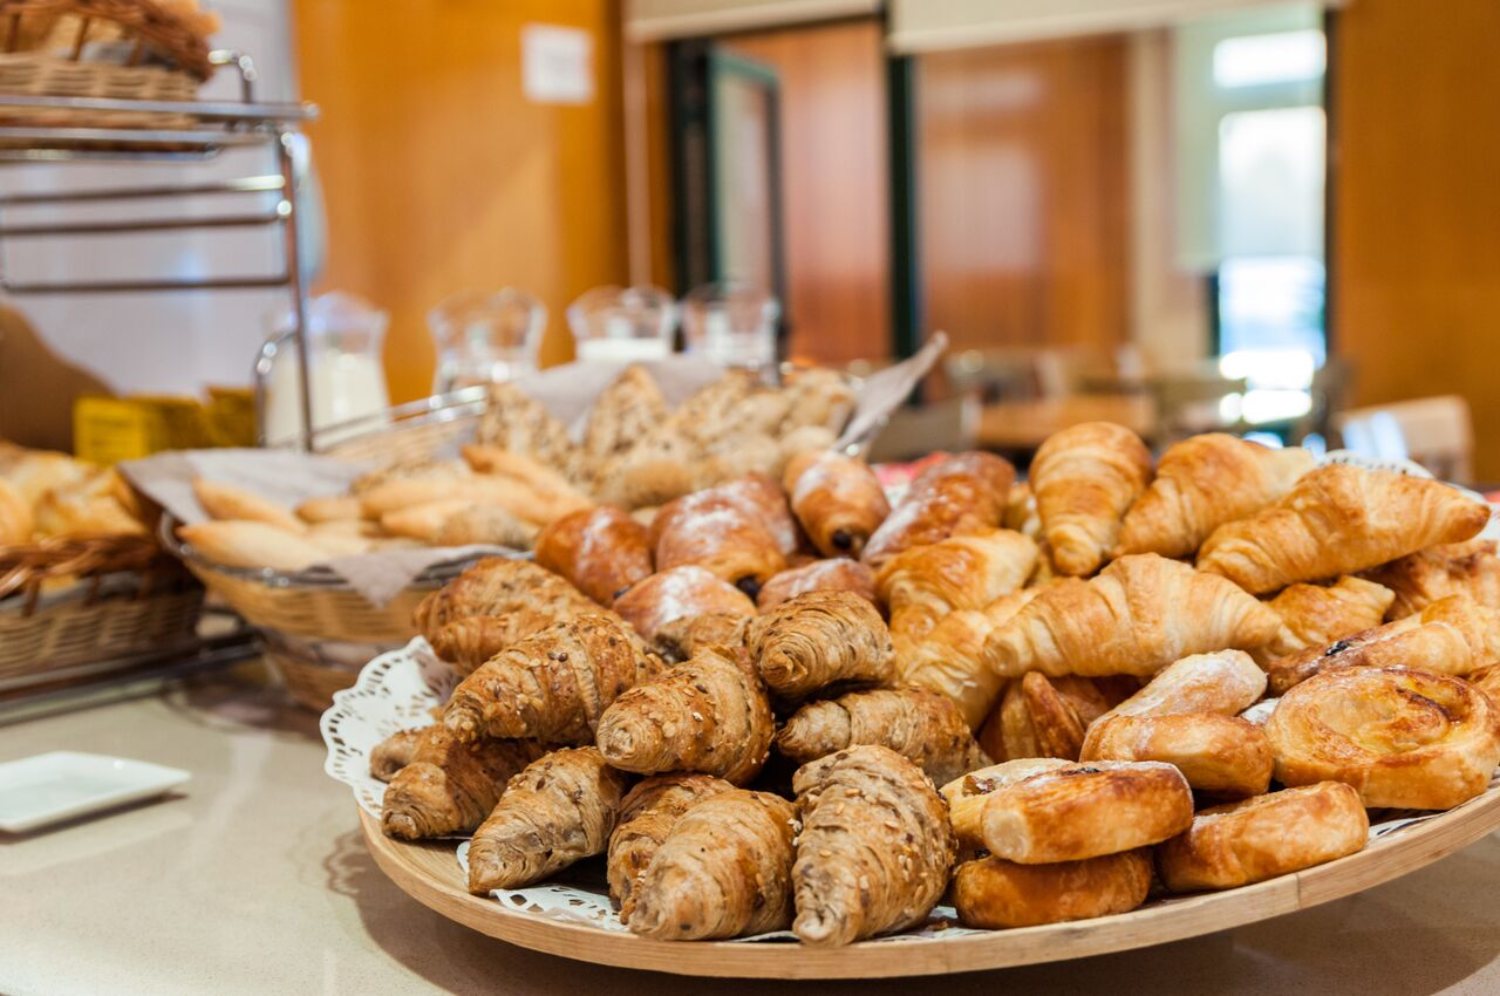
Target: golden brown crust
point(1048, 717)
point(1084, 478)
point(838, 500)
point(966, 796)
point(517, 422)
point(1086, 810)
point(601, 551)
point(1316, 615)
point(1339, 519)
point(820, 575)
point(493, 604)
point(820, 639)
point(1421, 578)
point(992, 893)
point(1225, 683)
point(724, 531)
point(489, 525)
point(394, 753)
point(875, 848)
point(648, 813)
point(709, 715)
point(1140, 614)
point(681, 593)
point(950, 659)
point(922, 726)
point(449, 787)
point(1223, 755)
point(724, 871)
point(1202, 483)
point(1487, 680)
point(224, 501)
point(1402, 738)
point(1260, 838)
point(1450, 636)
point(553, 686)
point(923, 584)
point(234, 543)
point(965, 493)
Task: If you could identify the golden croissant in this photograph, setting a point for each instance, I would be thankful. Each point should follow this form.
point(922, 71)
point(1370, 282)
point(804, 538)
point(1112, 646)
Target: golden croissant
point(1316, 615)
point(1084, 478)
point(1421, 578)
point(951, 660)
point(922, 585)
point(1339, 519)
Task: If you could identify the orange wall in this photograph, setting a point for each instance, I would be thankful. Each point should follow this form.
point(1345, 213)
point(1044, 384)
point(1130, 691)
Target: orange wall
point(440, 176)
point(1416, 223)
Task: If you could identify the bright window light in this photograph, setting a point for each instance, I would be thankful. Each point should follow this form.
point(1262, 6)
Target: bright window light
point(1290, 369)
point(1257, 60)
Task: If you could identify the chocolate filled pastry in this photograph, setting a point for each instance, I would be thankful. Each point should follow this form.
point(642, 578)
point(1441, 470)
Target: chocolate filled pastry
point(992, 893)
point(963, 494)
point(601, 551)
point(1402, 738)
point(1221, 755)
point(1339, 519)
point(836, 574)
point(1424, 577)
point(1084, 478)
point(1453, 635)
point(1250, 841)
point(662, 607)
point(820, 639)
point(838, 500)
point(1139, 614)
point(722, 532)
point(922, 585)
point(1083, 811)
point(1317, 615)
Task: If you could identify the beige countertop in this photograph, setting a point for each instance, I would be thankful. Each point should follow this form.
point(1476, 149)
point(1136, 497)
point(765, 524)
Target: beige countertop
point(253, 879)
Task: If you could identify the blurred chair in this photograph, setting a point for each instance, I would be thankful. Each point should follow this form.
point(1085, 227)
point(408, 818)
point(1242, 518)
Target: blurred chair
point(1194, 401)
point(1328, 392)
point(951, 425)
point(1437, 433)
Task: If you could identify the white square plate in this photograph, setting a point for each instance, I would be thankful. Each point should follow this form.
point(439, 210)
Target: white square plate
point(47, 788)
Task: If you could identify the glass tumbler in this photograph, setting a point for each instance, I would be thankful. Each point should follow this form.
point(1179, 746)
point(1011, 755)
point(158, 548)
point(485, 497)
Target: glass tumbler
point(485, 337)
point(623, 324)
point(732, 324)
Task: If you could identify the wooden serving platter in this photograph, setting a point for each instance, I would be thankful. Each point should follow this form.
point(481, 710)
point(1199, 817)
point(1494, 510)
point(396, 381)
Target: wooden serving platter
point(429, 872)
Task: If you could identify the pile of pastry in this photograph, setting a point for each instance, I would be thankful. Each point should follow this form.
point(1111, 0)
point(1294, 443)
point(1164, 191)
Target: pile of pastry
point(46, 495)
point(525, 471)
point(789, 704)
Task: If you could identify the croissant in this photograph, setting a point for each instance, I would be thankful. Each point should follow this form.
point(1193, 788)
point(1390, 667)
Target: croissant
point(1084, 478)
point(1402, 738)
point(1021, 514)
point(1047, 717)
point(1260, 838)
point(1339, 519)
point(950, 659)
point(993, 893)
point(678, 596)
point(962, 494)
point(553, 686)
point(838, 500)
point(1140, 614)
point(923, 584)
point(710, 715)
point(648, 813)
point(820, 575)
point(394, 753)
point(713, 532)
point(601, 551)
point(1315, 616)
point(493, 604)
point(923, 726)
point(1450, 636)
point(1224, 755)
point(559, 810)
point(819, 639)
point(724, 871)
point(449, 787)
point(875, 848)
point(1421, 578)
point(1202, 483)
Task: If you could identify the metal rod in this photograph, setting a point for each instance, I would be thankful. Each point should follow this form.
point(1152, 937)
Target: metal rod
point(248, 185)
point(291, 174)
point(145, 225)
point(266, 113)
point(135, 137)
point(134, 286)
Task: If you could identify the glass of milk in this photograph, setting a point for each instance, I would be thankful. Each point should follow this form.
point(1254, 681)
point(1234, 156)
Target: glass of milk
point(345, 337)
point(623, 324)
point(484, 337)
point(732, 324)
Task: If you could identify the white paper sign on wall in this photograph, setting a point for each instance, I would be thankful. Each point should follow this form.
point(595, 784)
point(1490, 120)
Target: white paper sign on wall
point(557, 64)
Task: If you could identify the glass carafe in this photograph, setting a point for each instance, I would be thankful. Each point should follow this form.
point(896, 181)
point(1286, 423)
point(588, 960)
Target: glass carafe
point(731, 324)
point(484, 337)
point(623, 324)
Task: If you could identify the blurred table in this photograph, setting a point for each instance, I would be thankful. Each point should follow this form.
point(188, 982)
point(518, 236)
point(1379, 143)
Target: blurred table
point(1025, 425)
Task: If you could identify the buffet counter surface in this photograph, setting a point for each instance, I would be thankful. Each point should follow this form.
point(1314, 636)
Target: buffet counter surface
point(253, 879)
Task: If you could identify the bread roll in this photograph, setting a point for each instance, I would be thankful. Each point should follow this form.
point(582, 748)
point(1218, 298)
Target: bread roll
point(992, 893)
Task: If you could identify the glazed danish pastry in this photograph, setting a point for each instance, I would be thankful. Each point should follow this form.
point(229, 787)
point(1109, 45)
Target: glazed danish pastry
point(1402, 738)
point(838, 500)
point(1260, 838)
point(993, 893)
point(966, 795)
point(1223, 755)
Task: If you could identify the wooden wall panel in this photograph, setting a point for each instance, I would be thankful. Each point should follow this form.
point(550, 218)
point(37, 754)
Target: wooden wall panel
point(1023, 183)
point(1415, 253)
point(835, 193)
point(439, 175)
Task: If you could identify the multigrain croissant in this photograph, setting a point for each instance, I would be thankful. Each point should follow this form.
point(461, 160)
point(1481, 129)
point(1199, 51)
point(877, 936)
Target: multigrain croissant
point(601, 551)
point(838, 500)
point(1140, 614)
point(1084, 478)
point(394, 753)
point(923, 584)
point(875, 848)
point(1317, 615)
point(1421, 578)
point(951, 660)
point(962, 494)
point(1202, 483)
point(819, 639)
point(1453, 635)
point(838, 574)
point(648, 813)
point(1339, 519)
point(1402, 738)
point(920, 725)
point(449, 787)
